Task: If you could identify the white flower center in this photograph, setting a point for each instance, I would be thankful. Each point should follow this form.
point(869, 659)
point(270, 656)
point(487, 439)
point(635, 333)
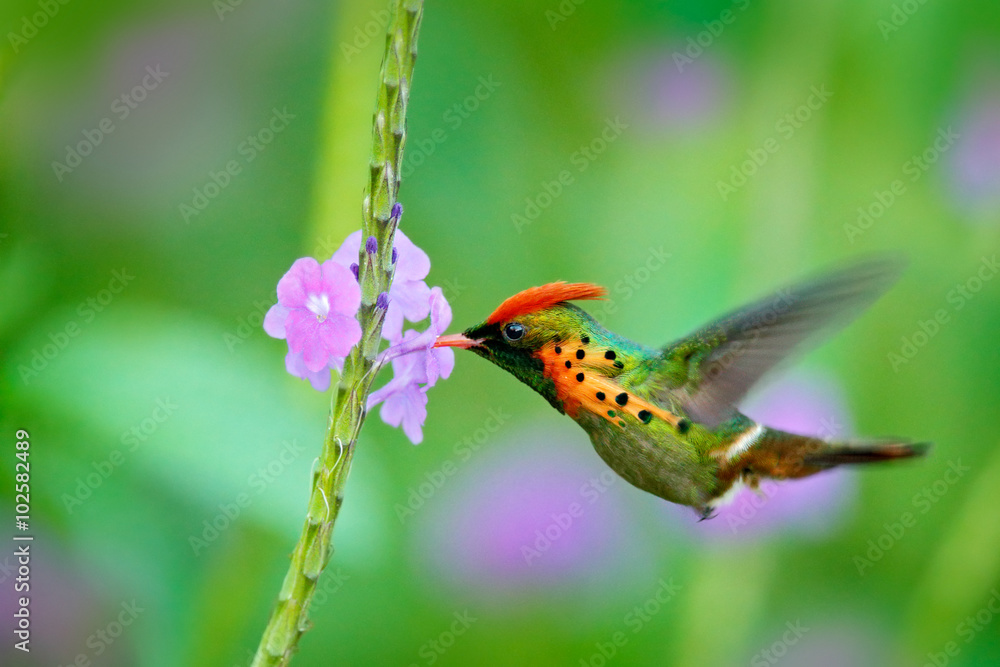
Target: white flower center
point(319, 305)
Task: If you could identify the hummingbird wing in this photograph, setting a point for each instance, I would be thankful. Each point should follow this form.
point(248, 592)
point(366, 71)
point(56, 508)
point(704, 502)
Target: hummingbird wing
point(713, 368)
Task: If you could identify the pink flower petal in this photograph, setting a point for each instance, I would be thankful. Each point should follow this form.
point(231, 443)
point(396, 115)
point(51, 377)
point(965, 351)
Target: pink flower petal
point(440, 311)
point(412, 263)
point(413, 297)
point(300, 328)
point(315, 355)
point(408, 408)
point(295, 365)
point(347, 253)
point(295, 286)
point(339, 334)
point(341, 288)
point(392, 325)
point(445, 361)
point(274, 321)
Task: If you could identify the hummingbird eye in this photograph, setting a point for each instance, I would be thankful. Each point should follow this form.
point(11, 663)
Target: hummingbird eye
point(513, 331)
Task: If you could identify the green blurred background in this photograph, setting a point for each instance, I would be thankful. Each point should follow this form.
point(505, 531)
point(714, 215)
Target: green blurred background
point(745, 145)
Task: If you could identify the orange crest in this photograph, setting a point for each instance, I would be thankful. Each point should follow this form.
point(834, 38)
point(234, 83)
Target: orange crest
point(544, 296)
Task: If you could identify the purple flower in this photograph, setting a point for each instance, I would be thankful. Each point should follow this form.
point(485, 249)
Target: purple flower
point(316, 310)
point(673, 94)
point(975, 161)
point(409, 295)
point(296, 365)
point(806, 404)
point(317, 313)
point(416, 367)
point(537, 512)
point(404, 401)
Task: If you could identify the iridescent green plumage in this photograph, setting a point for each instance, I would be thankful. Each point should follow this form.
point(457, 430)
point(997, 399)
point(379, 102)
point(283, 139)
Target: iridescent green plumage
point(666, 420)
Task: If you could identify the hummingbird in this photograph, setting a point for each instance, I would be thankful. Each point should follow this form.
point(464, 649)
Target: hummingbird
point(667, 419)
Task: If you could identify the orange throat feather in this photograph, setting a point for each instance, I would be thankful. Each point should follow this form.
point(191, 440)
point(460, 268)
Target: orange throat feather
point(581, 374)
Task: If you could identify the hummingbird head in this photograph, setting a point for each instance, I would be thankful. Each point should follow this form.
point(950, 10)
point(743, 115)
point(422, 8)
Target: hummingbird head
point(513, 336)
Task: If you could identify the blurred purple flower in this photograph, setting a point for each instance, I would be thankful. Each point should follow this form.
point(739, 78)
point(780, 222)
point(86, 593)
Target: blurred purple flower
point(537, 512)
point(416, 367)
point(686, 96)
point(296, 365)
point(826, 644)
point(806, 404)
point(316, 310)
point(975, 162)
point(670, 96)
point(409, 295)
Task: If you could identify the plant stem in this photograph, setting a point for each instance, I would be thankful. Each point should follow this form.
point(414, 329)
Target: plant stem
point(289, 618)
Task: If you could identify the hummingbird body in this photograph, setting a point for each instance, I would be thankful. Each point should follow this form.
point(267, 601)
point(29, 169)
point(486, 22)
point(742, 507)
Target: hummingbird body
point(665, 419)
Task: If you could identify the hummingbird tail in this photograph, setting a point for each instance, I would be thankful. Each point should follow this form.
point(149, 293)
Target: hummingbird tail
point(866, 451)
point(767, 452)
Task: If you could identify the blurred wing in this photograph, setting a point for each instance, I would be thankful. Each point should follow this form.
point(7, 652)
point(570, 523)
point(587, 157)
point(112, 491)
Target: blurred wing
point(723, 360)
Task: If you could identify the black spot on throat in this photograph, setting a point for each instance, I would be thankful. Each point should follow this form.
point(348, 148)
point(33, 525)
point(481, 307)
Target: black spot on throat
point(610, 354)
point(645, 416)
point(683, 426)
point(600, 395)
point(558, 350)
point(569, 364)
point(579, 354)
point(579, 377)
point(619, 364)
point(585, 340)
point(622, 398)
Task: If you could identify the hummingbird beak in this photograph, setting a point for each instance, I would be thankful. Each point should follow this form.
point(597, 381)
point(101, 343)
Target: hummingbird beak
point(456, 340)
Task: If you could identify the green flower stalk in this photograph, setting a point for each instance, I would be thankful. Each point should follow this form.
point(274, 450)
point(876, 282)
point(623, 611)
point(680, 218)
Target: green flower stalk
point(380, 215)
